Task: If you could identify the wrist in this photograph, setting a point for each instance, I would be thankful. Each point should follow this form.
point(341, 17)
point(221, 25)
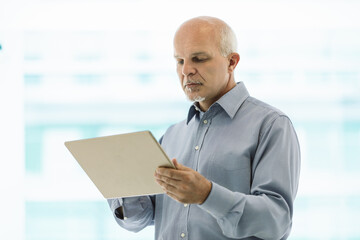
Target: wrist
point(207, 191)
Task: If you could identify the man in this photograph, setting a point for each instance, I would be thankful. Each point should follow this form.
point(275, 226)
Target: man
point(237, 159)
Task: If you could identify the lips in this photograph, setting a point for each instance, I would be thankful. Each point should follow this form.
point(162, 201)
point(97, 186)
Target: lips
point(192, 84)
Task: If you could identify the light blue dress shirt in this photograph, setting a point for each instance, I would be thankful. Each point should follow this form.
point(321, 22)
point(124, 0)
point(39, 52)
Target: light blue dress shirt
point(249, 151)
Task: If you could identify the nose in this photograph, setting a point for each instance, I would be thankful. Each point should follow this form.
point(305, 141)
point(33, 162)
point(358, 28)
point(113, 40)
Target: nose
point(188, 69)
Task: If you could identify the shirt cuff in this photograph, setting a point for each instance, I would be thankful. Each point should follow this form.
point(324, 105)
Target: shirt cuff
point(132, 206)
point(219, 202)
point(115, 203)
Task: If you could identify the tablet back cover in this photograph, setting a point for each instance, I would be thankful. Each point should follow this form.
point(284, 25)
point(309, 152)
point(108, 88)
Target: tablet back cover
point(121, 165)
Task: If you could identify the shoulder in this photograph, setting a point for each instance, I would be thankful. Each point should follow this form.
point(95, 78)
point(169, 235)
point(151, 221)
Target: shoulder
point(261, 107)
point(264, 113)
point(174, 130)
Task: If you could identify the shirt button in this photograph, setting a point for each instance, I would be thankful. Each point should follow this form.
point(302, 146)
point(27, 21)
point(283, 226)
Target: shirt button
point(205, 121)
point(182, 235)
point(185, 205)
point(197, 148)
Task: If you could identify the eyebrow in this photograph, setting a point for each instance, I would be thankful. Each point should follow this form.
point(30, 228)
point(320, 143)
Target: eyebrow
point(195, 54)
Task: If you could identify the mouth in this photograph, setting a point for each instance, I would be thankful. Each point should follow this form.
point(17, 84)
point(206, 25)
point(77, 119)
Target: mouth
point(192, 84)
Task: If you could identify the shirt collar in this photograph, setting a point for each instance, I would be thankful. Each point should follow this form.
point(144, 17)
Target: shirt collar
point(194, 109)
point(230, 102)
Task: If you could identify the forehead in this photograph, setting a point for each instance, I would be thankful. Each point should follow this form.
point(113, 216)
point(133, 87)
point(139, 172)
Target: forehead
point(196, 39)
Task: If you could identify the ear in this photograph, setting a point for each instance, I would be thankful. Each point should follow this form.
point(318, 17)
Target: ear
point(234, 59)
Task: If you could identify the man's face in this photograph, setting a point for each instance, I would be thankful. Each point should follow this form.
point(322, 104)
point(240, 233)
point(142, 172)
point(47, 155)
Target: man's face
point(202, 70)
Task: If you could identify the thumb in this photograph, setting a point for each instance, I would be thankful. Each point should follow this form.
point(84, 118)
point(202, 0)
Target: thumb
point(178, 165)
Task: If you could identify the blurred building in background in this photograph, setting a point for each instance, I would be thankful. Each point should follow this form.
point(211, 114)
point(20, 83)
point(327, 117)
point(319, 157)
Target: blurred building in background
point(77, 69)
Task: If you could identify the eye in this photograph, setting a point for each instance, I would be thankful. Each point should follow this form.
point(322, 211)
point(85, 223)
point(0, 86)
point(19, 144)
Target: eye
point(199, 59)
point(180, 61)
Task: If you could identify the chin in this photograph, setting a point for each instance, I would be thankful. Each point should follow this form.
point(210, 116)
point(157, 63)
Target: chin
point(199, 99)
point(196, 98)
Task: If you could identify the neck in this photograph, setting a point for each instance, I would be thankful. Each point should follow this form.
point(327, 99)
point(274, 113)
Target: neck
point(206, 104)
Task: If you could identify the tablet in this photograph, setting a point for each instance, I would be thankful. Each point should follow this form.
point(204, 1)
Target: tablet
point(121, 165)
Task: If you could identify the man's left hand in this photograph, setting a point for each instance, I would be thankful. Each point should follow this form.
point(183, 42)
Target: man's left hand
point(183, 184)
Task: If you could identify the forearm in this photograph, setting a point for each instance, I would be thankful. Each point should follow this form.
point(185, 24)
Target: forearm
point(240, 216)
point(137, 212)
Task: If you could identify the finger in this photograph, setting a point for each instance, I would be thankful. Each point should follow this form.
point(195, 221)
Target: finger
point(173, 196)
point(168, 189)
point(177, 197)
point(172, 192)
point(176, 164)
point(162, 184)
point(170, 173)
point(179, 166)
point(166, 180)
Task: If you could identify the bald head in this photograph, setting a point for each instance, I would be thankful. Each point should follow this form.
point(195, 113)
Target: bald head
point(205, 52)
point(213, 28)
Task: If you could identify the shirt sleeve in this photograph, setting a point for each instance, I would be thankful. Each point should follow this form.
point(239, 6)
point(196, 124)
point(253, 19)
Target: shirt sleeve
point(267, 211)
point(137, 212)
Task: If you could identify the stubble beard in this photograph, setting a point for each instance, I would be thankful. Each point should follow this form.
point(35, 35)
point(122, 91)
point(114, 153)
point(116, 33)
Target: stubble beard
point(195, 98)
point(198, 99)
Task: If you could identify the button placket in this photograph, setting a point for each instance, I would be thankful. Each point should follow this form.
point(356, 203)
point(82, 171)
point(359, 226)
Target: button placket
point(204, 124)
point(202, 131)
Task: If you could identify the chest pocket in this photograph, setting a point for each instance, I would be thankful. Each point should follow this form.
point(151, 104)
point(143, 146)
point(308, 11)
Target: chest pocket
point(231, 162)
point(231, 158)
point(231, 169)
